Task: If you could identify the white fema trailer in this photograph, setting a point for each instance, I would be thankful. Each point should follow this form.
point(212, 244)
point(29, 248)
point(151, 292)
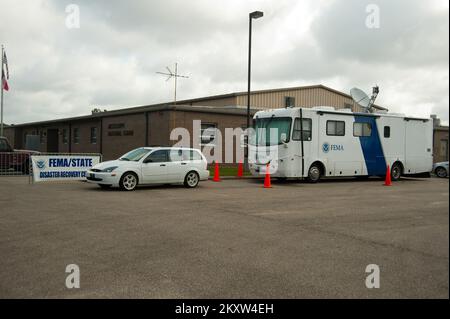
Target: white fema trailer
point(321, 141)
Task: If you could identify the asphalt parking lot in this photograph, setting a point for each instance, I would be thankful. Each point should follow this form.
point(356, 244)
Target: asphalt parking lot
point(232, 239)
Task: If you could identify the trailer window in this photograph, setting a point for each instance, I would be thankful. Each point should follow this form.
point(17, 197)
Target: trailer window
point(336, 128)
point(387, 131)
point(307, 130)
point(362, 129)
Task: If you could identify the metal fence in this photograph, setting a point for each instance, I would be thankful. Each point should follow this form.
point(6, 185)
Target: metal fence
point(19, 164)
point(14, 164)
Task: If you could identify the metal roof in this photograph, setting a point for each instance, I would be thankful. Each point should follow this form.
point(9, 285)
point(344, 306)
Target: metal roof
point(147, 108)
point(183, 105)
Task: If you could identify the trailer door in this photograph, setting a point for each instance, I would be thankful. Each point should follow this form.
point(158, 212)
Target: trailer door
point(366, 129)
point(418, 146)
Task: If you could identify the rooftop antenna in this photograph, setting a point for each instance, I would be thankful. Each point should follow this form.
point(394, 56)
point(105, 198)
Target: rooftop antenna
point(363, 100)
point(173, 75)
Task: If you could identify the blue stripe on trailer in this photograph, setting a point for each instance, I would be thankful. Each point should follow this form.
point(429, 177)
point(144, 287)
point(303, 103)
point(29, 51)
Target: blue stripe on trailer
point(372, 148)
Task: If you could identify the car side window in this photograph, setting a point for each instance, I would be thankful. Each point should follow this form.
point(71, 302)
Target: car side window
point(176, 155)
point(3, 146)
point(157, 157)
point(191, 155)
point(196, 155)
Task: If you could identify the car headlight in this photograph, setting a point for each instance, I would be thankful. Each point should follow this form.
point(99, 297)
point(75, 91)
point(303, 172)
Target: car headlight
point(109, 169)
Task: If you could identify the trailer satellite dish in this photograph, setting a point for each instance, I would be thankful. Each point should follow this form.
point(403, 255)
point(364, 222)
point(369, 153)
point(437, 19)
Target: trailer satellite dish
point(362, 99)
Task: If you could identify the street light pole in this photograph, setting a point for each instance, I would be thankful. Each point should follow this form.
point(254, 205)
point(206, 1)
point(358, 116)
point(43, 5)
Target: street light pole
point(251, 16)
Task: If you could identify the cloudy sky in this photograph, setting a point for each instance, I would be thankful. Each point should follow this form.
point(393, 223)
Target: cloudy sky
point(111, 59)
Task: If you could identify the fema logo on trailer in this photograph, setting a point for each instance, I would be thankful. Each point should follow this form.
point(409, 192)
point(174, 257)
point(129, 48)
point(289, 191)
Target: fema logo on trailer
point(40, 164)
point(326, 147)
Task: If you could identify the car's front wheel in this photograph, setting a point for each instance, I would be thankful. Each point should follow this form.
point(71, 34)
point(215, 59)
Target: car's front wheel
point(191, 180)
point(128, 181)
point(441, 172)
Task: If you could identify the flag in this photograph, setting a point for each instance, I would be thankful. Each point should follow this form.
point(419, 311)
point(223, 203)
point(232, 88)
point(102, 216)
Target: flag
point(5, 84)
point(5, 67)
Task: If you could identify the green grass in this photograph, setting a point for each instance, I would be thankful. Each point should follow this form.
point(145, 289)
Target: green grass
point(227, 171)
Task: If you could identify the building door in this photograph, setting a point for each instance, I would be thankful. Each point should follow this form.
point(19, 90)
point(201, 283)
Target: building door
point(444, 150)
point(52, 141)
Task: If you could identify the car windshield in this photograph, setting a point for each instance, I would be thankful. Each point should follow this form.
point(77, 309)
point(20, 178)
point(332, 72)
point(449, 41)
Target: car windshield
point(135, 155)
point(268, 131)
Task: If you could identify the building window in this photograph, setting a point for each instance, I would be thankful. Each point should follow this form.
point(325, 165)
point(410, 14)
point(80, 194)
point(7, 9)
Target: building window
point(76, 135)
point(115, 126)
point(208, 134)
point(289, 101)
point(307, 130)
point(42, 136)
point(387, 131)
point(115, 133)
point(335, 128)
point(65, 138)
point(93, 135)
point(362, 129)
point(128, 133)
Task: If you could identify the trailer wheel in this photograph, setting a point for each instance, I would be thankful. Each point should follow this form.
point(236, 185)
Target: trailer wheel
point(314, 173)
point(396, 171)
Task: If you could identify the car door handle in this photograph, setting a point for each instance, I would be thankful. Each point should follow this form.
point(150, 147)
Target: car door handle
point(162, 165)
point(183, 163)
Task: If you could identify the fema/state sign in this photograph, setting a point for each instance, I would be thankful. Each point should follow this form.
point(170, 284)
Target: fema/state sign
point(62, 167)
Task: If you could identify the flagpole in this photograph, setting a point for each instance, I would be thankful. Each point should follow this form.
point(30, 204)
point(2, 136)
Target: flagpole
point(1, 112)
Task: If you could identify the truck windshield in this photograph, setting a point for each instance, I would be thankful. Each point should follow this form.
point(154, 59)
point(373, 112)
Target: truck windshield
point(268, 131)
point(135, 155)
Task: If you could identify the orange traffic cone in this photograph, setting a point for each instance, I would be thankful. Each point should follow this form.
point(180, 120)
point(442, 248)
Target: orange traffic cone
point(216, 177)
point(267, 183)
point(240, 171)
point(388, 181)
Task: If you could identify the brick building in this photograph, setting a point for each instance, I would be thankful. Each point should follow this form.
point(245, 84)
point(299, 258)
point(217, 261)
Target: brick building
point(113, 133)
point(440, 141)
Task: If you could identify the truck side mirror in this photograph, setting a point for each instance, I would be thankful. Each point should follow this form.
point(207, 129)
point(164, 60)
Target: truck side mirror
point(283, 138)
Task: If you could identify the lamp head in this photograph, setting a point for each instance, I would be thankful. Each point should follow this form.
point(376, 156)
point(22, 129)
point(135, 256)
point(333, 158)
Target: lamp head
point(256, 14)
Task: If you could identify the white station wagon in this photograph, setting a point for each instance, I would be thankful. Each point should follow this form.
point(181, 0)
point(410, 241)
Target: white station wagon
point(151, 165)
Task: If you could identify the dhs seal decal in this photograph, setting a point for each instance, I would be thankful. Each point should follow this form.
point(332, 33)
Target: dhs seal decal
point(40, 164)
point(326, 147)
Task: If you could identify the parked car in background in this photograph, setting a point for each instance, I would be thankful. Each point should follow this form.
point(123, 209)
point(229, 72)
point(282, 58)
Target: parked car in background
point(151, 165)
point(441, 169)
point(19, 160)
